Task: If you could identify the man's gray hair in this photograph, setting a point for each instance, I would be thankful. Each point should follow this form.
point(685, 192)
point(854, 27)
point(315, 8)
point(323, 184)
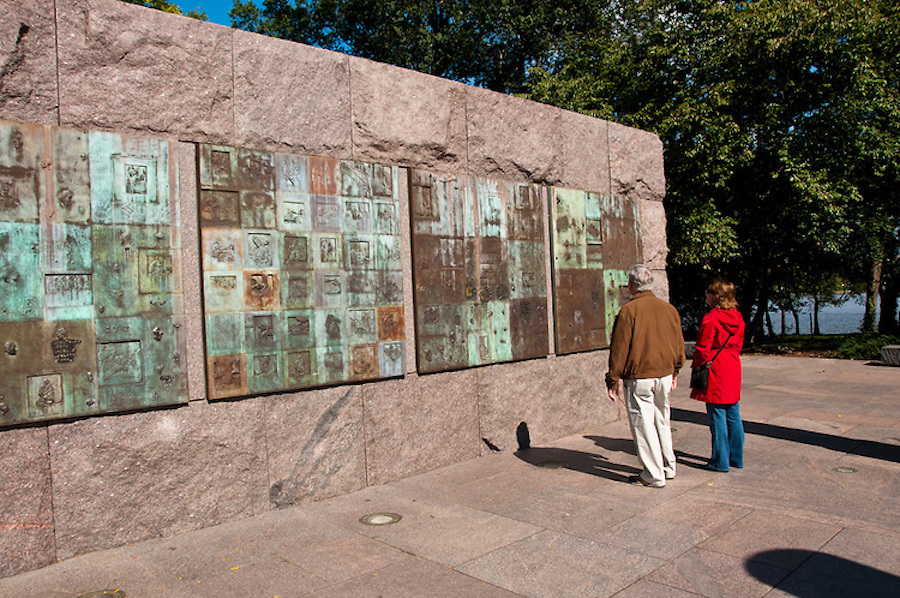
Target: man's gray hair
point(641, 278)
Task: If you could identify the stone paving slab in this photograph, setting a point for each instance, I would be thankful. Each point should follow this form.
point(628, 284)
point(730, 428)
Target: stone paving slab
point(717, 575)
point(416, 577)
point(555, 564)
point(815, 512)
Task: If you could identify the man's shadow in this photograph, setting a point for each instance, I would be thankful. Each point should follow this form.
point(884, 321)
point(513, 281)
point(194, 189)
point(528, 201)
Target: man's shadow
point(560, 458)
point(590, 463)
point(626, 445)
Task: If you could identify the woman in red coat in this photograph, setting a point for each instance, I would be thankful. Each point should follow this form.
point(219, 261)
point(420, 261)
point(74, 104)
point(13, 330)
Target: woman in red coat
point(722, 327)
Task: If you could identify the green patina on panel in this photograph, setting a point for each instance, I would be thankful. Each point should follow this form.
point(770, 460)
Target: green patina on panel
point(596, 241)
point(302, 271)
point(90, 274)
point(478, 265)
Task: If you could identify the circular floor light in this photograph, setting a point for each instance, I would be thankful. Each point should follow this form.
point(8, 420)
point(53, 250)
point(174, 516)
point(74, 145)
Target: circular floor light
point(845, 469)
point(380, 518)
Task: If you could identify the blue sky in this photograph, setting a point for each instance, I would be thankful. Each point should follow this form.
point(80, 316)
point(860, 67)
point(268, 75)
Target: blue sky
point(216, 10)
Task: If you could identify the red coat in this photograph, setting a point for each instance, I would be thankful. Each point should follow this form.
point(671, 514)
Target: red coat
point(725, 372)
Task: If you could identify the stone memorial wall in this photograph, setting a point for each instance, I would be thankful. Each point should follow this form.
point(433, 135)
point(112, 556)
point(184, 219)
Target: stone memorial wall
point(191, 213)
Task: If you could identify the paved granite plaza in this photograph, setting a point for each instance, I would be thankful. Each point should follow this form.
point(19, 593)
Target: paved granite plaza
point(815, 512)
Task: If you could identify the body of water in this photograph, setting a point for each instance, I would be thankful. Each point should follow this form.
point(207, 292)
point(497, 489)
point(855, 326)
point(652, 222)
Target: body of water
point(833, 319)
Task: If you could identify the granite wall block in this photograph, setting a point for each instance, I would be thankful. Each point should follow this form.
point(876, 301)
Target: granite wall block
point(316, 447)
point(585, 152)
point(420, 423)
point(653, 234)
point(555, 397)
point(290, 97)
point(661, 284)
point(126, 67)
point(190, 270)
point(636, 163)
point(28, 91)
point(147, 475)
point(26, 506)
point(408, 118)
point(514, 139)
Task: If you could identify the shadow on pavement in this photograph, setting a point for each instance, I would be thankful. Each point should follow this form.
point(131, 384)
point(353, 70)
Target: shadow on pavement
point(822, 575)
point(842, 444)
point(588, 463)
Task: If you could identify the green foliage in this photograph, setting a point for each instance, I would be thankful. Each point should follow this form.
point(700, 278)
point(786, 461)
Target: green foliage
point(839, 346)
point(865, 346)
point(491, 43)
point(780, 123)
point(165, 6)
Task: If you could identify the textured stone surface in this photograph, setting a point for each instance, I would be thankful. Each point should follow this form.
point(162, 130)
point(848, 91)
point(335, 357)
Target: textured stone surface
point(585, 152)
point(28, 91)
point(128, 67)
point(636, 163)
point(26, 517)
point(653, 234)
point(660, 284)
point(315, 445)
point(514, 139)
point(133, 477)
point(555, 397)
point(290, 97)
point(406, 261)
point(890, 355)
point(419, 424)
point(409, 118)
point(554, 564)
point(190, 270)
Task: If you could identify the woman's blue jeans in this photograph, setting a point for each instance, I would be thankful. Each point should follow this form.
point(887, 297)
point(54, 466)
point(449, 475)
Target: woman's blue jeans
point(727, 436)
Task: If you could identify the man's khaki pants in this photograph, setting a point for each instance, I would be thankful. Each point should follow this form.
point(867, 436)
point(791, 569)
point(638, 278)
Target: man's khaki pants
point(647, 401)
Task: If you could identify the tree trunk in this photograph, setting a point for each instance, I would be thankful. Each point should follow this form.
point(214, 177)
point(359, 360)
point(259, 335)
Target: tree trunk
point(783, 319)
point(769, 323)
point(816, 307)
point(754, 330)
point(796, 321)
point(872, 289)
point(890, 293)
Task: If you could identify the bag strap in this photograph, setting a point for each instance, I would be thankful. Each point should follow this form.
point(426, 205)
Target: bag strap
point(730, 334)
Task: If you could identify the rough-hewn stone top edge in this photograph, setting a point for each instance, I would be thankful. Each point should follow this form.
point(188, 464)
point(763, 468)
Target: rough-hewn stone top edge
point(410, 72)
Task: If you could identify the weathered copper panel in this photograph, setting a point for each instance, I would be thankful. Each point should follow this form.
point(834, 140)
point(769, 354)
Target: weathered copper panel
point(478, 249)
point(90, 274)
point(390, 358)
point(621, 234)
point(324, 176)
point(596, 240)
point(21, 298)
point(22, 151)
point(300, 256)
point(364, 362)
point(71, 197)
point(527, 315)
point(390, 323)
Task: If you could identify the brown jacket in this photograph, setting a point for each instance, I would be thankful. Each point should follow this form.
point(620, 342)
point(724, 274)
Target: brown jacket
point(646, 340)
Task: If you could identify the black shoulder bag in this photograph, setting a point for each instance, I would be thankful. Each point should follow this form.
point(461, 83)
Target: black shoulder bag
point(700, 374)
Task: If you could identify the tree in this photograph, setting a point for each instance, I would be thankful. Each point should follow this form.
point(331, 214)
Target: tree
point(165, 6)
point(491, 43)
point(780, 132)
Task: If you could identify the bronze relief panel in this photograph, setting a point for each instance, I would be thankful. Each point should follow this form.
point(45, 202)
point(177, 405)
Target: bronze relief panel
point(478, 254)
point(90, 273)
point(306, 250)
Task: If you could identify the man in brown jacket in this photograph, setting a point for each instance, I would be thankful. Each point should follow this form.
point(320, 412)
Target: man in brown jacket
point(646, 352)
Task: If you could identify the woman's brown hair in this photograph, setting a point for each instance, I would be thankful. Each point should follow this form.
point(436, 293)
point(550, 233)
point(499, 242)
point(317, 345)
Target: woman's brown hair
point(724, 292)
